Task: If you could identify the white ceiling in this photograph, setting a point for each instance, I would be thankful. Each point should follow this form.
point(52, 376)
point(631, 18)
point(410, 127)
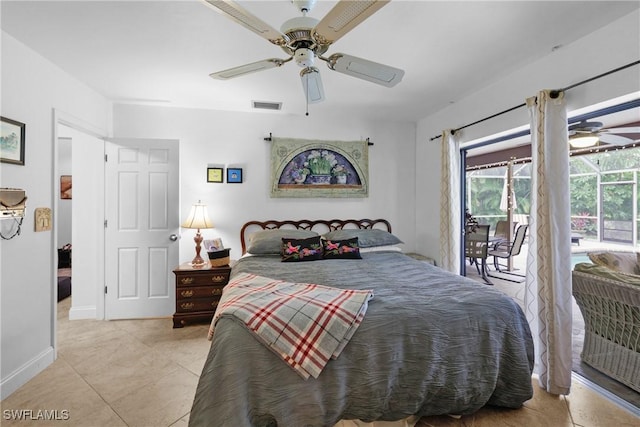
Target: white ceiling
point(162, 52)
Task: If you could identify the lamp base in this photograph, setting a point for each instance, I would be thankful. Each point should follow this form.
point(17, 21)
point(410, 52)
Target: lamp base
point(198, 261)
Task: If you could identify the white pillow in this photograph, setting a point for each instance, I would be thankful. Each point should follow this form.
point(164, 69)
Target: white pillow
point(392, 248)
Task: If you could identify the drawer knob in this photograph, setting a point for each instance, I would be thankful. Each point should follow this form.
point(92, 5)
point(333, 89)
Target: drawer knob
point(214, 303)
point(218, 279)
point(187, 305)
point(186, 280)
point(216, 292)
point(188, 293)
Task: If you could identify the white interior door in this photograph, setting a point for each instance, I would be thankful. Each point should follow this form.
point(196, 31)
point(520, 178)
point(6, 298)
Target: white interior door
point(142, 226)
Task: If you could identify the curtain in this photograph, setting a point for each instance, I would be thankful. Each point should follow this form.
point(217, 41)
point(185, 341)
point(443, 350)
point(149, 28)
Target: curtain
point(548, 281)
point(450, 218)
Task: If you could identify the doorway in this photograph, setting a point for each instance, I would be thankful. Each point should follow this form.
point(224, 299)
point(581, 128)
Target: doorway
point(90, 219)
point(64, 218)
point(78, 184)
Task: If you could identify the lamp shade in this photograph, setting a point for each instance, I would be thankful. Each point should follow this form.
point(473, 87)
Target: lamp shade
point(198, 217)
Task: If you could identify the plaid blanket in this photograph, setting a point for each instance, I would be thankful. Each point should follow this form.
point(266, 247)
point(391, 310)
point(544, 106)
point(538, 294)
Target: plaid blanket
point(305, 324)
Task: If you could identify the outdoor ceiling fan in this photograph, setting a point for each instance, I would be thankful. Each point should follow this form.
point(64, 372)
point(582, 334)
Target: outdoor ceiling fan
point(305, 39)
point(586, 134)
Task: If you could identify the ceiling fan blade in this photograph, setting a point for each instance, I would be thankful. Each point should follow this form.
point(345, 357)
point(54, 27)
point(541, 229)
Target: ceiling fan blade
point(245, 18)
point(312, 84)
point(265, 64)
point(630, 129)
point(615, 139)
point(344, 16)
point(364, 69)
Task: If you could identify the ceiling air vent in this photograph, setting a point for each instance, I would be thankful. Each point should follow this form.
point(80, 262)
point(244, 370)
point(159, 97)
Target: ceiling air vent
point(262, 105)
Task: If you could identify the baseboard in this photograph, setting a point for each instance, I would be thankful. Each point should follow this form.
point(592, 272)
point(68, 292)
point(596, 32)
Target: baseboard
point(86, 312)
point(26, 372)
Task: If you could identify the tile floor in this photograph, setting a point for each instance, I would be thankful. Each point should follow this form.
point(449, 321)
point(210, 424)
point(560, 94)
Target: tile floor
point(144, 373)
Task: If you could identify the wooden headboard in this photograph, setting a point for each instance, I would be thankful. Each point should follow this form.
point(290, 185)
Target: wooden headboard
point(318, 225)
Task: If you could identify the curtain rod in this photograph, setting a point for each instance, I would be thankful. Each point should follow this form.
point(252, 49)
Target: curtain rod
point(553, 93)
point(270, 138)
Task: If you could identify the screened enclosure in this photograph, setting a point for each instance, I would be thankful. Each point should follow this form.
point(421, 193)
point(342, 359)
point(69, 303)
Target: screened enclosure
point(604, 194)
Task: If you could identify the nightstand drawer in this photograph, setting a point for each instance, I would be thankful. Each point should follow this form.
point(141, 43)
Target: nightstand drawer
point(202, 304)
point(199, 292)
point(217, 278)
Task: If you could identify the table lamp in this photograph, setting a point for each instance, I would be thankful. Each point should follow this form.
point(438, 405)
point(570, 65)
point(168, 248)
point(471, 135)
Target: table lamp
point(199, 219)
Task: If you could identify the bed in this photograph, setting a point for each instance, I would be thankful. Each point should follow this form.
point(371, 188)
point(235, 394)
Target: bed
point(430, 342)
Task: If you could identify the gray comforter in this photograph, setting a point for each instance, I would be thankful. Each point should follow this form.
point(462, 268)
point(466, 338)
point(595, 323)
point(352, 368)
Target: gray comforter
point(431, 343)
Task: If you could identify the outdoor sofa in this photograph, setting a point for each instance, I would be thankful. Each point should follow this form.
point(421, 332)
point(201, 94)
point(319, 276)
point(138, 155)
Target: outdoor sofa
point(607, 292)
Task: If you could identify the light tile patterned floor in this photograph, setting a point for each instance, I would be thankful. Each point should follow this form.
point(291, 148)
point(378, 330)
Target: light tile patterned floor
point(144, 373)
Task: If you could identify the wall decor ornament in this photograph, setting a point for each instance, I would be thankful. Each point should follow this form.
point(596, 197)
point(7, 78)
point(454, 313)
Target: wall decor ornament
point(215, 175)
point(315, 168)
point(234, 175)
point(12, 140)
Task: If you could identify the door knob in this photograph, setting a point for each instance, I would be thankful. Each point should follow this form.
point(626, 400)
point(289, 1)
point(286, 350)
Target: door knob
point(173, 237)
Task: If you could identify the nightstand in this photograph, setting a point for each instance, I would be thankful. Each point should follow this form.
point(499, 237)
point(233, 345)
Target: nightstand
point(198, 292)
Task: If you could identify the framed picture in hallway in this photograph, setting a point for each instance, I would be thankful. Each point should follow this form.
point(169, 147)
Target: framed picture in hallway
point(12, 141)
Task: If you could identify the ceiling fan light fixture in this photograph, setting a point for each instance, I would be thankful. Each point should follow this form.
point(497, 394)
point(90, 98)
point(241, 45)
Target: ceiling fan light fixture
point(312, 84)
point(584, 141)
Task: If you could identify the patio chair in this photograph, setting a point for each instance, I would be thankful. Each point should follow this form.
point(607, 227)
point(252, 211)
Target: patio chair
point(502, 229)
point(476, 245)
point(506, 250)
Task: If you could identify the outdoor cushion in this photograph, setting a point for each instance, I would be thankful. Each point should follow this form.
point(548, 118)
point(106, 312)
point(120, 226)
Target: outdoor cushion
point(622, 262)
point(602, 271)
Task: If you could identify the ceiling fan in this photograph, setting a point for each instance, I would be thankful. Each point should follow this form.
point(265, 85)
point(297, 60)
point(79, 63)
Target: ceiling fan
point(305, 39)
point(586, 134)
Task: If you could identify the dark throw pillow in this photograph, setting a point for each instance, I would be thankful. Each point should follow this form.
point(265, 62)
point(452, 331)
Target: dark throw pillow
point(294, 250)
point(341, 249)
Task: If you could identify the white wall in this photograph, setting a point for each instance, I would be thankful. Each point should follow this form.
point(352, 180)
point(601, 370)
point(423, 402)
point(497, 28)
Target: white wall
point(229, 138)
point(608, 48)
point(31, 89)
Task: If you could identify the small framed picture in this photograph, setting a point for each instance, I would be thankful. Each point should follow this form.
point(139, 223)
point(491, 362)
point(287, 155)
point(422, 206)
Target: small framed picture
point(213, 245)
point(65, 187)
point(215, 174)
point(11, 141)
point(234, 175)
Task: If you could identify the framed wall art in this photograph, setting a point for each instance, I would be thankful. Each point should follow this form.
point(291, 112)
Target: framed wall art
point(66, 187)
point(314, 168)
point(234, 175)
point(215, 175)
point(12, 141)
